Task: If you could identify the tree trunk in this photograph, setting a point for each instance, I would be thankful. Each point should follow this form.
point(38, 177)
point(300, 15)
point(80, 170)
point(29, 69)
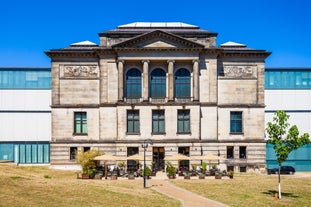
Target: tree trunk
point(279, 174)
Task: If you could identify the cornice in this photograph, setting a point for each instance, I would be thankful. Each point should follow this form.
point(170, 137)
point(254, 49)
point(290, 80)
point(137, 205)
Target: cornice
point(75, 106)
point(245, 53)
point(71, 53)
point(157, 34)
point(241, 106)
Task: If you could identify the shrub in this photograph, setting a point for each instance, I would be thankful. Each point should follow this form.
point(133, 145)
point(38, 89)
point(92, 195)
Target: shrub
point(87, 162)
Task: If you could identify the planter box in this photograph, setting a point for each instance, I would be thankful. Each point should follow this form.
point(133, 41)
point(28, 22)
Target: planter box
point(85, 176)
point(113, 177)
point(201, 177)
point(218, 177)
point(187, 177)
point(171, 177)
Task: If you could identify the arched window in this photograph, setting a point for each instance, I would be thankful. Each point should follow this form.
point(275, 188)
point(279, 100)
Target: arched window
point(158, 84)
point(133, 84)
point(182, 83)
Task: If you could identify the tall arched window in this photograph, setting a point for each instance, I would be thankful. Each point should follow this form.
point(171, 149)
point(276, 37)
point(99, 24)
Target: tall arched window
point(133, 83)
point(182, 83)
point(158, 84)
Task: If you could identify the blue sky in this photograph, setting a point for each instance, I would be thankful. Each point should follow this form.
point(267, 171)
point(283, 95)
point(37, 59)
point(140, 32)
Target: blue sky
point(28, 28)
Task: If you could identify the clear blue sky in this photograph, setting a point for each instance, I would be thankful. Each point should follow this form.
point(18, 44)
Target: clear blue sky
point(30, 27)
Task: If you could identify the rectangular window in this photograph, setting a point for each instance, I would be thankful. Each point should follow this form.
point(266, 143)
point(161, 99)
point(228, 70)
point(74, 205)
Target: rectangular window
point(236, 122)
point(158, 121)
point(183, 121)
point(73, 151)
point(230, 152)
point(80, 123)
point(133, 121)
point(242, 152)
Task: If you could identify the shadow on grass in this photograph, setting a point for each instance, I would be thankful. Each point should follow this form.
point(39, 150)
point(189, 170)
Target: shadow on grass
point(273, 192)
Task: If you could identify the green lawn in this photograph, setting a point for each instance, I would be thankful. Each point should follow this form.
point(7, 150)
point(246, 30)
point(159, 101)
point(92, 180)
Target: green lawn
point(253, 190)
point(40, 186)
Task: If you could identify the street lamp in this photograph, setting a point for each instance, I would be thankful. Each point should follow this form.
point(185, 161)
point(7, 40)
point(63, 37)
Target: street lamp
point(145, 146)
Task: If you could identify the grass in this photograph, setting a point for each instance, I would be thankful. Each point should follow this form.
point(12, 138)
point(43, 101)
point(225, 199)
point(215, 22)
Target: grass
point(29, 186)
point(41, 186)
point(253, 190)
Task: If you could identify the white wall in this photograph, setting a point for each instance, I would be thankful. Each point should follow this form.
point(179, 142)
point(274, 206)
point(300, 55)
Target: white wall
point(25, 100)
point(25, 115)
point(296, 103)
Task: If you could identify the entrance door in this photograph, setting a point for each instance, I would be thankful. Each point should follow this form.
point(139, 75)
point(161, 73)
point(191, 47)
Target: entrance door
point(158, 158)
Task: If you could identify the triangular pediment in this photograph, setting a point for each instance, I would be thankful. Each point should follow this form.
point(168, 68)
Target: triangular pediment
point(158, 39)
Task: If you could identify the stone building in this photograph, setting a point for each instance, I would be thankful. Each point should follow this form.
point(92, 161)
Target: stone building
point(165, 82)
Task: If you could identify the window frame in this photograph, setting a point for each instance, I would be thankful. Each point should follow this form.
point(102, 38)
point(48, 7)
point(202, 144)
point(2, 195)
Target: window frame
point(72, 153)
point(81, 121)
point(133, 84)
point(236, 123)
point(183, 82)
point(230, 149)
point(245, 152)
point(157, 83)
point(159, 119)
point(132, 116)
point(183, 120)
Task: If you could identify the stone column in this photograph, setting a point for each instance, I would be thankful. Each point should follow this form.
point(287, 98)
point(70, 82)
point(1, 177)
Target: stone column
point(120, 80)
point(170, 80)
point(195, 80)
point(145, 80)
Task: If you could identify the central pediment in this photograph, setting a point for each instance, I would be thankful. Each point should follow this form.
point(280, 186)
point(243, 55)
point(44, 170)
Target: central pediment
point(157, 39)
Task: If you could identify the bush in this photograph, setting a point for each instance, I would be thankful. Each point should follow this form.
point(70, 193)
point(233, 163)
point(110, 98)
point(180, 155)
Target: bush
point(148, 171)
point(171, 170)
point(87, 162)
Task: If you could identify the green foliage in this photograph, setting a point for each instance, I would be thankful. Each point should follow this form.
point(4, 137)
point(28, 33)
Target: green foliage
point(47, 176)
point(284, 141)
point(171, 170)
point(87, 162)
point(148, 171)
point(204, 166)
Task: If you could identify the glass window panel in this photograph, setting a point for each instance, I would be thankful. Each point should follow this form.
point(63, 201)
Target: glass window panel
point(182, 83)
point(22, 153)
point(235, 122)
point(46, 153)
point(40, 153)
point(34, 155)
point(28, 153)
point(133, 84)
point(158, 84)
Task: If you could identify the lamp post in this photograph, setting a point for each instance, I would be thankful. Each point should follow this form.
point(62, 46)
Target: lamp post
point(145, 146)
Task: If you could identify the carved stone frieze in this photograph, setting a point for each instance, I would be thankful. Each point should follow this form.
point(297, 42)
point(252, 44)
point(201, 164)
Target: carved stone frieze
point(240, 71)
point(80, 71)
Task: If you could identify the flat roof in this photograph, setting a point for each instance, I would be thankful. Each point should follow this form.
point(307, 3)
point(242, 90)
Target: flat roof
point(158, 25)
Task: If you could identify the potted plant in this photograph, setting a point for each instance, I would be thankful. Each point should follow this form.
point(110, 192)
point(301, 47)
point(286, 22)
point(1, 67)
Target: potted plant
point(153, 169)
point(201, 176)
point(187, 175)
point(148, 172)
point(131, 176)
point(218, 175)
point(203, 167)
point(171, 171)
point(87, 162)
point(230, 174)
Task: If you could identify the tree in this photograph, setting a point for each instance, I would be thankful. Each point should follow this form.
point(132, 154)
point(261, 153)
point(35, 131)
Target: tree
point(87, 162)
point(283, 140)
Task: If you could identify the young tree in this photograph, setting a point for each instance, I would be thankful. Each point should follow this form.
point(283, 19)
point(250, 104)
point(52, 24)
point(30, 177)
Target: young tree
point(284, 140)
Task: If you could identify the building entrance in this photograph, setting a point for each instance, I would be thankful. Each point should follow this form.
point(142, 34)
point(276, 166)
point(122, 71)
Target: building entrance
point(158, 158)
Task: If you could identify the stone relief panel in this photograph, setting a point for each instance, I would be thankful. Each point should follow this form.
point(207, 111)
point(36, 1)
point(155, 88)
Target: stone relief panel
point(240, 71)
point(79, 71)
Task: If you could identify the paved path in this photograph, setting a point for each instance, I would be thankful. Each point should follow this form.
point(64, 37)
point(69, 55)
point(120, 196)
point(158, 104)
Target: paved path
point(187, 198)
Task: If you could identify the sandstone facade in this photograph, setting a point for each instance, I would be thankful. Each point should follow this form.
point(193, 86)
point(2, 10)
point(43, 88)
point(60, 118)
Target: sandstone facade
point(93, 79)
